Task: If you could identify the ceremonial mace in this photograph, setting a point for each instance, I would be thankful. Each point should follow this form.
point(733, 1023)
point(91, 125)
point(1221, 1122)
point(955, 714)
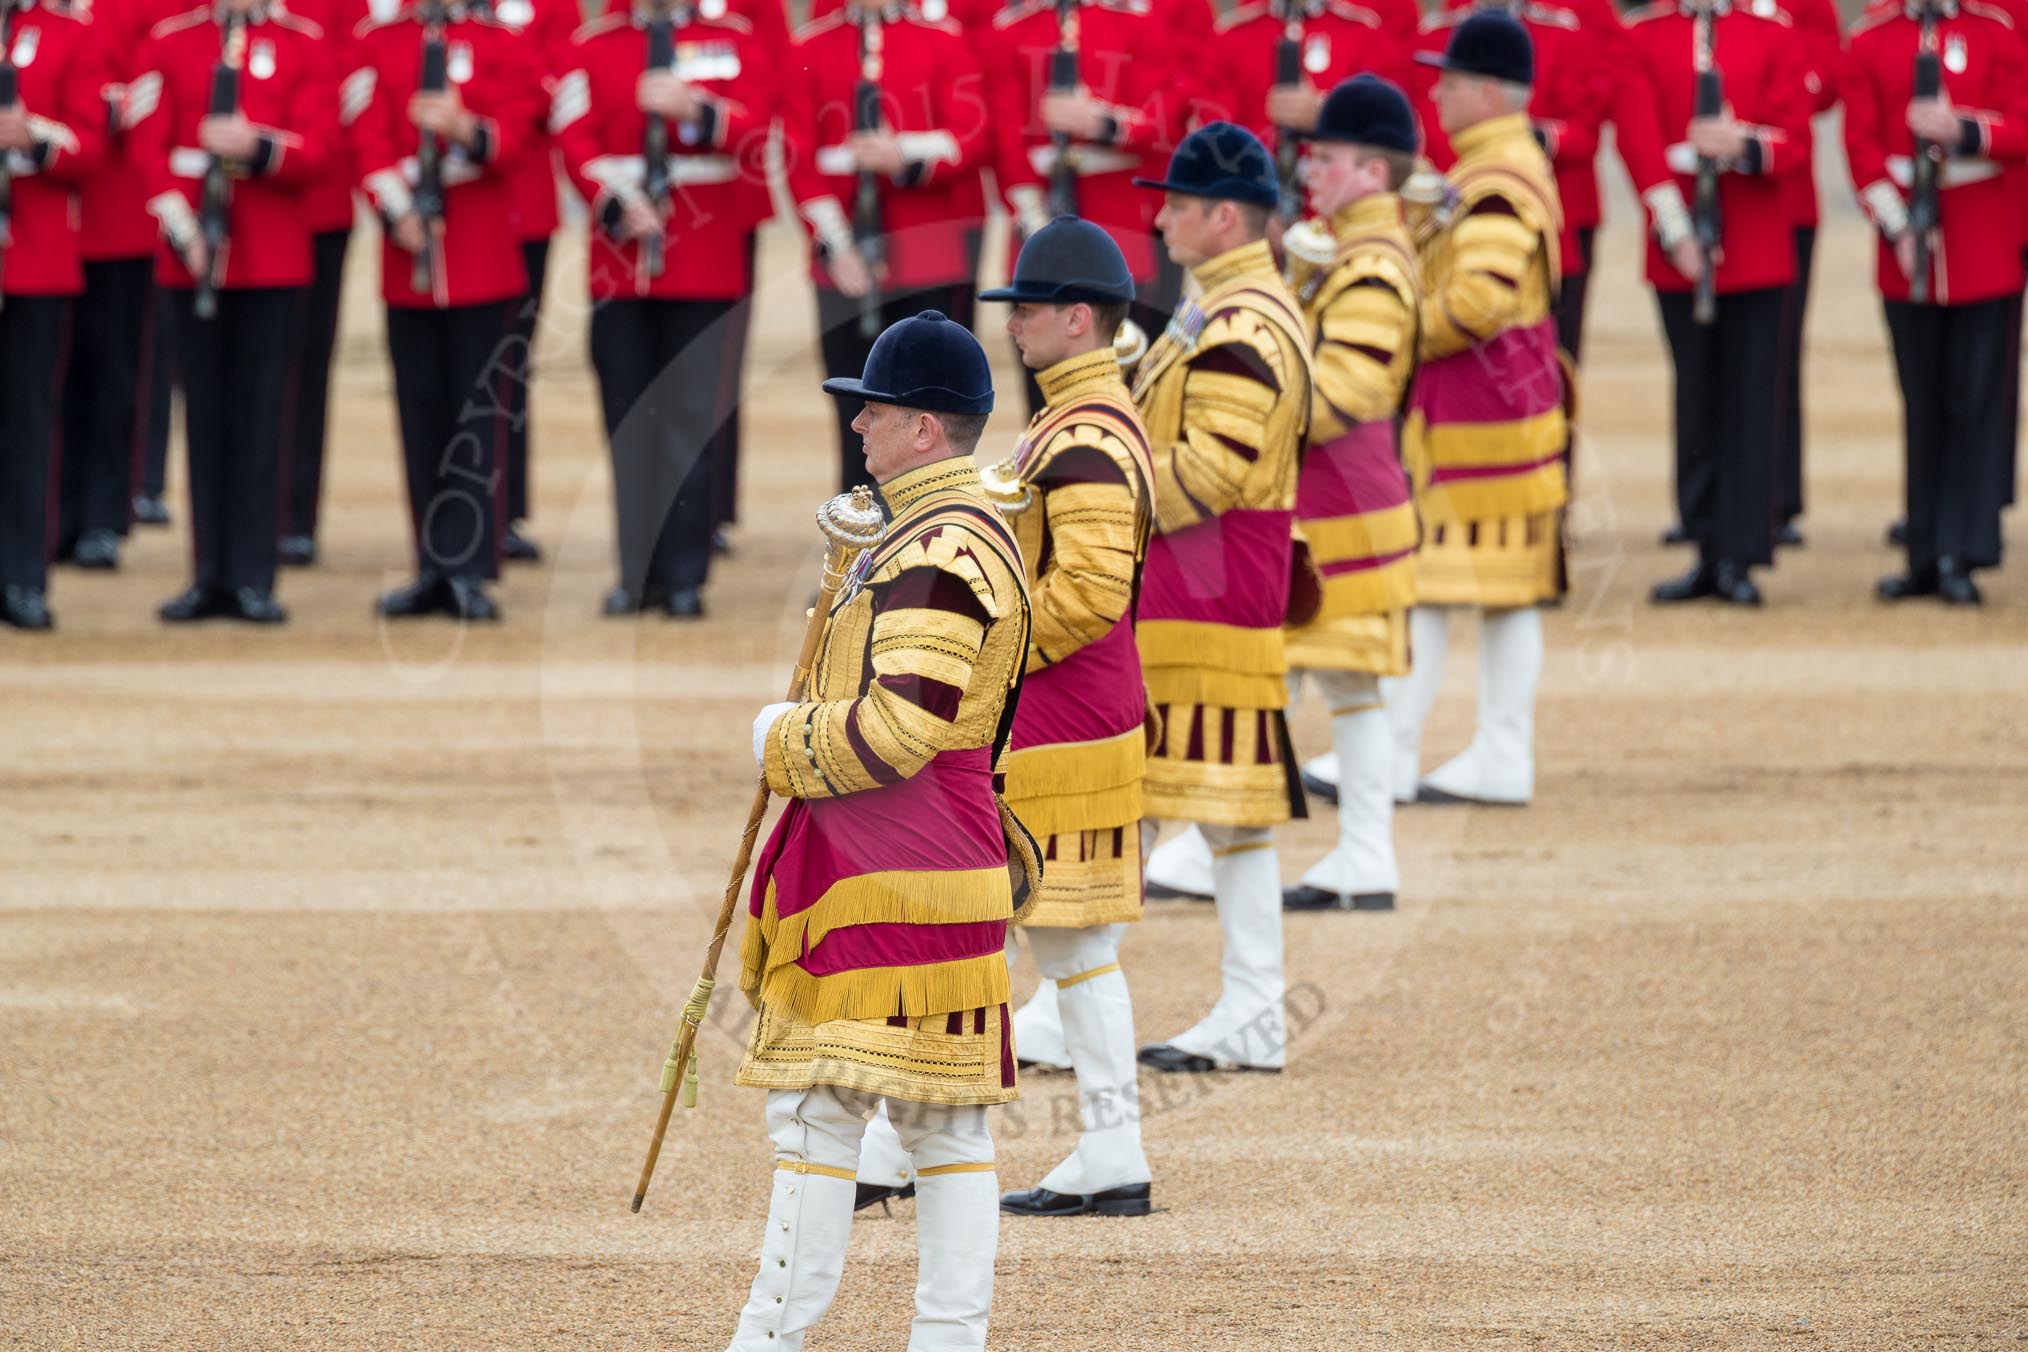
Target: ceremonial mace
point(852, 524)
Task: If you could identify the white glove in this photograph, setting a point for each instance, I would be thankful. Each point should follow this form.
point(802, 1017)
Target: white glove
point(763, 722)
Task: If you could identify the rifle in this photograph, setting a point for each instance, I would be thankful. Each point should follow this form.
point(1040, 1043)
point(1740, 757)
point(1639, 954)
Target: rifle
point(214, 213)
point(1288, 71)
point(867, 231)
point(1063, 80)
point(655, 139)
point(10, 94)
point(1922, 203)
point(1709, 225)
point(429, 154)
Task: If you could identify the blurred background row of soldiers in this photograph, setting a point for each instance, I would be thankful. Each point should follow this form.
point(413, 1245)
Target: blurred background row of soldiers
point(181, 185)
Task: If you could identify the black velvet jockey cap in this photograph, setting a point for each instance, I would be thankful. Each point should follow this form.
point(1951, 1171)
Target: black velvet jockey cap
point(1223, 161)
point(929, 363)
point(1067, 261)
point(1366, 110)
point(1492, 44)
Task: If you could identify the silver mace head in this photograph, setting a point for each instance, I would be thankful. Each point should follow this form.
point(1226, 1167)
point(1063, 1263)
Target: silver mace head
point(1130, 343)
point(1004, 488)
point(852, 520)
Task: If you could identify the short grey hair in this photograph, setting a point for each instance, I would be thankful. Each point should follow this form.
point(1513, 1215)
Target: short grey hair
point(962, 430)
point(1518, 95)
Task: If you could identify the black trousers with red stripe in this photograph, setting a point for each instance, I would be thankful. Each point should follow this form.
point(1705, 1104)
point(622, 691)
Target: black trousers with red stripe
point(659, 364)
point(725, 446)
point(1727, 414)
point(159, 377)
point(310, 383)
point(1952, 363)
point(101, 407)
point(845, 350)
point(1789, 432)
point(2010, 465)
point(235, 377)
point(1570, 301)
point(33, 331)
point(448, 366)
point(520, 375)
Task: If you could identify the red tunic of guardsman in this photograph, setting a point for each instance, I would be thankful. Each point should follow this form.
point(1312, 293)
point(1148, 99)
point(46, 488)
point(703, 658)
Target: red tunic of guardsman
point(1728, 364)
point(670, 264)
point(55, 132)
point(233, 363)
point(451, 274)
point(1124, 66)
point(1335, 40)
point(546, 27)
point(1951, 318)
point(1225, 394)
point(919, 157)
point(879, 912)
point(1356, 273)
point(1486, 432)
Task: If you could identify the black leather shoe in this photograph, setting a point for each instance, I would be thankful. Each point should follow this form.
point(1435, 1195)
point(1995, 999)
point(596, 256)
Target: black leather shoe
point(1318, 789)
point(1735, 586)
point(685, 603)
point(1308, 898)
point(1675, 535)
point(620, 602)
point(870, 1193)
point(424, 596)
point(25, 608)
point(720, 544)
point(1694, 585)
point(196, 604)
point(98, 550)
point(295, 551)
point(519, 548)
point(1131, 1200)
point(1175, 1061)
point(467, 600)
point(1954, 584)
point(1040, 1067)
point(1788, 537)
point(149, 511)
point(1163, 892)
point(1897, 533)
point(1905, 586)
point(255, 606)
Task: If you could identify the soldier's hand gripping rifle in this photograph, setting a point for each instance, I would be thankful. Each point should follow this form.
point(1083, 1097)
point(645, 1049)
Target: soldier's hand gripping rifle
point(868, 229)
point(655, 138)
point(1288, 73)
point(1705, 218)
point(214, 205)
point(1063, 79)
point(10, 94)
point(1922, 203)
point(852, 524)
point(429, 153)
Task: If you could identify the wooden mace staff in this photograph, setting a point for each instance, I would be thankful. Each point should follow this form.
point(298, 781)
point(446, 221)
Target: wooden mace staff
point(852, 524)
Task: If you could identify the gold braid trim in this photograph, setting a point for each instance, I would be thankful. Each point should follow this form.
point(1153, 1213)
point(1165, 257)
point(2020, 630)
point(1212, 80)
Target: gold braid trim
point(805, 1167)
point(1065, 983)
point(1078, 786)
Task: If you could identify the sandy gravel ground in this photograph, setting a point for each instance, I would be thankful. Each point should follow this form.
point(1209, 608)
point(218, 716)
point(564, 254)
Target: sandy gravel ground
point(337, 965)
